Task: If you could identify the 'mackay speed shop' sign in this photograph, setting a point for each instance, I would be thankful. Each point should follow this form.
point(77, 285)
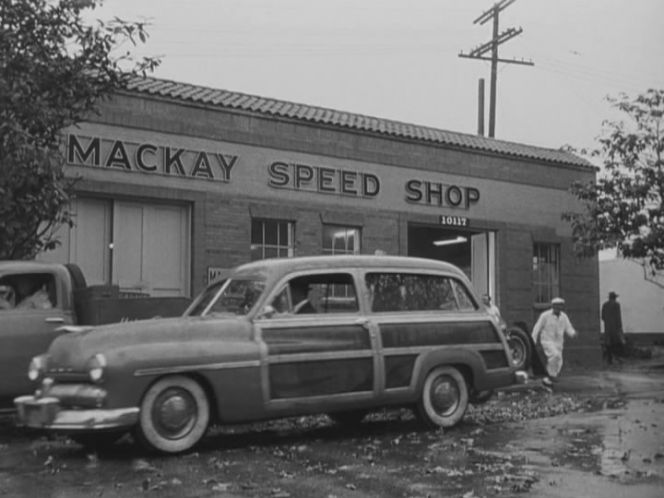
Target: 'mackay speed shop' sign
point(217, 166)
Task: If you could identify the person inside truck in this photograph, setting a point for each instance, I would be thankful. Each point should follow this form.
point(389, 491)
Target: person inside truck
point(31, 294)
point(7, 297)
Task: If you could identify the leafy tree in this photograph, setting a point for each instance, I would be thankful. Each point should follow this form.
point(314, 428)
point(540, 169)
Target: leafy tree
point(55, 66)
point(623, 209)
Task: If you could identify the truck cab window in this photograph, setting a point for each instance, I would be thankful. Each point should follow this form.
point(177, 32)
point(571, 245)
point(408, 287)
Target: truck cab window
point(27, 291)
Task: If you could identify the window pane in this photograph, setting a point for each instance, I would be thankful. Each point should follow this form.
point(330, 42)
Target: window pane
point(271, 239)
point(416, 292)
point(463, 296)
point(256, 232)
point(316, 294)
point(385, 292)
point(350, 241)
point(546, 272)
point(27, 291)
point(340, 240)
point(283, 233)
point(256, 252)
point(328, 232)
point(271, 232)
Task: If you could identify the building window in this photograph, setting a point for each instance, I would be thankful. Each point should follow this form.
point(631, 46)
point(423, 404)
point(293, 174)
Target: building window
point(546, 272)
point(340, 240)
point(271, 239)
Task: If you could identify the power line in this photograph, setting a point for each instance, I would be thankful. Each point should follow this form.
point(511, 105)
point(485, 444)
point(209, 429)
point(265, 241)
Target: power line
point(492, 46)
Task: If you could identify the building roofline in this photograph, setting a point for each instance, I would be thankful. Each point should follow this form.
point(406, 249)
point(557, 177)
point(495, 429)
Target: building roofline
point(348, 121)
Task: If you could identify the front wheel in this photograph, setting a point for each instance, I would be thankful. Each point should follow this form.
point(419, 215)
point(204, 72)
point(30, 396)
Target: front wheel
point(444, 399)
point(175, 413)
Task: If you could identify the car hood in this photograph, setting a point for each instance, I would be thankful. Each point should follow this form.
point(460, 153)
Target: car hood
point(75, 348)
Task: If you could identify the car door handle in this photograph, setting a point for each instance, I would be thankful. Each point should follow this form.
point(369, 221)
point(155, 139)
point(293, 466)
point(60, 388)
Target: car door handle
point(55, 319)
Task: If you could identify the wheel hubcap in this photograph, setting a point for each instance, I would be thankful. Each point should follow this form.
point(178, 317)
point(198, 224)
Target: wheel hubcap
point(174, 413)
point(517, 350)
point(445, 395)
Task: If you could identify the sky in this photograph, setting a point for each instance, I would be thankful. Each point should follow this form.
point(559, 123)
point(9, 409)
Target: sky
point(398, 59)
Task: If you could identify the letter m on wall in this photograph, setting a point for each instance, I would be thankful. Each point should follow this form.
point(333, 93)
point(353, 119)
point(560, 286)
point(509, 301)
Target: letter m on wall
point(76, 154)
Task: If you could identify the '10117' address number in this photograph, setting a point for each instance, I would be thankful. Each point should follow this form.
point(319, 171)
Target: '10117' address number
point(454, 221)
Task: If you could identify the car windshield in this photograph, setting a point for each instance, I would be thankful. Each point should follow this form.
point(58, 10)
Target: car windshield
point(229, 296)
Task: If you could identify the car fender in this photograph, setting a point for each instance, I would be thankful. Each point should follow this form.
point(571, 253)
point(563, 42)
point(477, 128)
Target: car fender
point(470, 361)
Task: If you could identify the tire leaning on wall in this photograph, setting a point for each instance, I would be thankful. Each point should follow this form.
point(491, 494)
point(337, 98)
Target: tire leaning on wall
point(520, 347)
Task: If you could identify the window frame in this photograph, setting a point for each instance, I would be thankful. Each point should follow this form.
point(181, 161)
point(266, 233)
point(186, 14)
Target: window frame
point(290, 243)
point(330, 251)
point(452, 279)
point(546, 269)
point(41, 280)
point(284, 286)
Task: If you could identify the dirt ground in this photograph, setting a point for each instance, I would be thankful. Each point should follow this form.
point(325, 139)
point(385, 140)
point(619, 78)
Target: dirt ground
point(599, 433)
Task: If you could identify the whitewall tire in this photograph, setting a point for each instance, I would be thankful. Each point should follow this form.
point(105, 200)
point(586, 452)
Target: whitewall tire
point(175, 413)
point(444, 399)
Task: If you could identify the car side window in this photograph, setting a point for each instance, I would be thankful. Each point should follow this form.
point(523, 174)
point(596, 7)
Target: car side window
point(410, 292)
point(466, 302)
point(317, 294)
point(27, 291)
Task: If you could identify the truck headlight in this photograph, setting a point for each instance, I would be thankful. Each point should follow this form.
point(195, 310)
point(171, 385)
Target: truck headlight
point(37, 368)
point(96, 367)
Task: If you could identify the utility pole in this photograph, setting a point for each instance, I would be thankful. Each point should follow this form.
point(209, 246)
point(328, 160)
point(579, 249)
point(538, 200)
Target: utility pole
point(492, 46)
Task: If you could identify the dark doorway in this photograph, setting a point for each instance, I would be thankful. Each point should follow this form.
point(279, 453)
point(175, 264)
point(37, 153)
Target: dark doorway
point(442, 244)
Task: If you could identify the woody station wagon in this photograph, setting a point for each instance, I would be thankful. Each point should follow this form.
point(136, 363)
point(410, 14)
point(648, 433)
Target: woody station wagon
point(341, 335)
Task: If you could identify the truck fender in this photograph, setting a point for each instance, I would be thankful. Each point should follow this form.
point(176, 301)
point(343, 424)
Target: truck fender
point(470, 360)
point(77, 277)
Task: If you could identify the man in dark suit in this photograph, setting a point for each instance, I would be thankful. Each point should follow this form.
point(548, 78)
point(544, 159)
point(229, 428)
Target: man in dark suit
point(614, 339)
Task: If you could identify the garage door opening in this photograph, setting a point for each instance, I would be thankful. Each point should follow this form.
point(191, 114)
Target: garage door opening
point(471, 250)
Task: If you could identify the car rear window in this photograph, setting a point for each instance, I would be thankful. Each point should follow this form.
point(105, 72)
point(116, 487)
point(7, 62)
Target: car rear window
point(394, 291)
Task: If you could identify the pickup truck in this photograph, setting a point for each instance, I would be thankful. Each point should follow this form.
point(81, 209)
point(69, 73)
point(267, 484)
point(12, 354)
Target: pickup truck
point(38, 300)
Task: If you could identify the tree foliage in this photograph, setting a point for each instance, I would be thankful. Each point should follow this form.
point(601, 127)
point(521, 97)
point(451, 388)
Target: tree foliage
point(623, 208)
point(55, 66)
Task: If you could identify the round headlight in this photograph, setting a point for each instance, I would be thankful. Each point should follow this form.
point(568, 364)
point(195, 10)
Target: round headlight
point(37, 368)
point(96, 367)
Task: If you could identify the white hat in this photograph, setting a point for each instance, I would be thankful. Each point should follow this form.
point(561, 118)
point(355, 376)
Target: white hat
point(557, 300)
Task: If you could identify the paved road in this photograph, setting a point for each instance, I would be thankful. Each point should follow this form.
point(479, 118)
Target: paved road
point(598, 434)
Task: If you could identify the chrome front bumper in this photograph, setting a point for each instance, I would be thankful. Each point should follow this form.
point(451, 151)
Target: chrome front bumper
point(46, 413)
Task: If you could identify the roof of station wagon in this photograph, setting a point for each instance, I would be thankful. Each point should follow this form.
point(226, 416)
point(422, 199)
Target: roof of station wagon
point(281, 266)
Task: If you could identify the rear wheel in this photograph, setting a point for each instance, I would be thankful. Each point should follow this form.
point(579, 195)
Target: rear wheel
point(520, 349)
point(444, 399)
point(175, 413)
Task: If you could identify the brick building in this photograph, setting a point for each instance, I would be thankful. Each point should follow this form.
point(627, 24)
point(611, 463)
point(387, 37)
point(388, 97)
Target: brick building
point(180, 181)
